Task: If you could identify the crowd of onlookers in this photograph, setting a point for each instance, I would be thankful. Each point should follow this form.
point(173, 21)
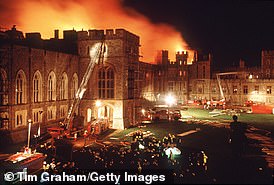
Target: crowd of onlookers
point(142, 155)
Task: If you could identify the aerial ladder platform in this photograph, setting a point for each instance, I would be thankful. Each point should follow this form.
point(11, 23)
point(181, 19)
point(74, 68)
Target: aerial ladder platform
point(96, 54)
point(98, 58)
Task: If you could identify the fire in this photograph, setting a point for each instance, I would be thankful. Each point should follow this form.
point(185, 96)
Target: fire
point(46, 15)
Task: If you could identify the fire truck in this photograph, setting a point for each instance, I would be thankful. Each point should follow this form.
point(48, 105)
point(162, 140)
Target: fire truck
point(222, 102)
point(249, 106)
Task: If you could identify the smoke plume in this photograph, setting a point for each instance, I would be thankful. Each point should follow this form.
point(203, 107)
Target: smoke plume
point(46, 15)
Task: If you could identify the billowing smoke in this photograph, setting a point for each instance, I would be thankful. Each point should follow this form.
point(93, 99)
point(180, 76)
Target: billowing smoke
point(46, 15)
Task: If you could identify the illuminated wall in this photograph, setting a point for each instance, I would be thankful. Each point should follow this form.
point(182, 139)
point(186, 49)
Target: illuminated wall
point(31, 60)
point(122, 56)
point(237, 91)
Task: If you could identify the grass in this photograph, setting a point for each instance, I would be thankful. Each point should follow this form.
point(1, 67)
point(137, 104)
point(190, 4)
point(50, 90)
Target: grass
point(262, 121)
point(158, 129)
point(254, 118)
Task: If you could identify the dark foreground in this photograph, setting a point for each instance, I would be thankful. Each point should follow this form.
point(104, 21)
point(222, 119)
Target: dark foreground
point(206, 155)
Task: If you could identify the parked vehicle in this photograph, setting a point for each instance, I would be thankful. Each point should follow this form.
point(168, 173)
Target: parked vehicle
point(160, 115)
point(166, 114)
point(175, 115)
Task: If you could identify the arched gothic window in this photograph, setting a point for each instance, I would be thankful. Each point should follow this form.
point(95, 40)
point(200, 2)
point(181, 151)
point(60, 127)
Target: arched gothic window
point(3, 87)
point(64, 87)
point(74, 87)
point(37, 87)
point(20, 89)
point(106, 83)
point(51, 86)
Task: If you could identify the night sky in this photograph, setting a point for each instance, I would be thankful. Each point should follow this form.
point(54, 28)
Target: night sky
point(229, 29)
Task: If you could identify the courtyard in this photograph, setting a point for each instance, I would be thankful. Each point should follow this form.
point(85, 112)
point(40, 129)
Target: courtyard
point(206, 153)
point(202, 132)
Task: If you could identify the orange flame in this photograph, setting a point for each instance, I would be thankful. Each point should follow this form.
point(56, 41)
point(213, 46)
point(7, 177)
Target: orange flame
point(46, 15)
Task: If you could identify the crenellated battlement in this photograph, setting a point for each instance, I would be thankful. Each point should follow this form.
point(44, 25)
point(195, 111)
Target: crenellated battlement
point(267, 52)
point(107, 34)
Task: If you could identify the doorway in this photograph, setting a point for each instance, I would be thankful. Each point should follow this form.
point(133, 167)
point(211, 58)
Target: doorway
point(106, 112)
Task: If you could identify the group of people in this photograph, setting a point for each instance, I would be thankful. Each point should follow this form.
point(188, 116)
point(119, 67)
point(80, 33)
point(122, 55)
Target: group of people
point(146, 154)
point(187, 167)
point(58, 167)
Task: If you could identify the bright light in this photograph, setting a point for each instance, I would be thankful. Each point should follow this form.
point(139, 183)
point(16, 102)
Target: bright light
point(256, 97)
point(82, 93)
point(95, 49)
point(170, 100)
point(179, 48)
point(98, 103)
point(29, 121)
point(143, 111)
point(158, 96)
point(141, 146)
point(173, 151)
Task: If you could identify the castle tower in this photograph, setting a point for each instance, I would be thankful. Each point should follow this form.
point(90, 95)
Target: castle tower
point(111, 82)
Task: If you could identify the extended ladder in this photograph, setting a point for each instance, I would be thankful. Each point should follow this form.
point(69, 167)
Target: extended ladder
point(96, 56)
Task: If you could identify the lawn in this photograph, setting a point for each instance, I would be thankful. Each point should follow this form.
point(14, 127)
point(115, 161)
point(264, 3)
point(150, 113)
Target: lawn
point(159, 130)
point(214, 142)
point(262, 121)
point(244, 117)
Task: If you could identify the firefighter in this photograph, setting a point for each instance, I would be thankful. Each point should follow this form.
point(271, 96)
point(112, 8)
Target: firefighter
point(75, 136)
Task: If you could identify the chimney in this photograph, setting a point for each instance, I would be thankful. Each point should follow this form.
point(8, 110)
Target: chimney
point(56, 34)
point(242, 64)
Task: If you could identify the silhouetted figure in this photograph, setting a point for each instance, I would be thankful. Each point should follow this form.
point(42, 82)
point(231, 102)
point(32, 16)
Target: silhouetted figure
point(238, 138)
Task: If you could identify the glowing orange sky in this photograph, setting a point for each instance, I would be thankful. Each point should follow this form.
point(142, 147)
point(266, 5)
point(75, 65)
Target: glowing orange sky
point(45, 16)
